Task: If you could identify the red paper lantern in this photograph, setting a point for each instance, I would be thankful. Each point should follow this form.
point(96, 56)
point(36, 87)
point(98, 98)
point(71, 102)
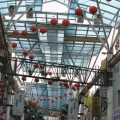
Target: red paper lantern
point(36, 80)
point(65, 94)
point(14, 45)
point(89, 86)
point(31, 57)
point(70, 93)
point(15, 32)
point(53, 21)
point(78, 11)
point(48, 99)
point(36, 66)
point(43, 30)
point(37, 102)
point(67, 87)
point(25, 53)
point(56, 98)
point(52, 101)
point(66, 22)
point(24, 32)
point(70, 83)
point(93, 10)
point(34, 99)
point(44, 99)
point(50, 82)
point(24, 78)
point(60, 97)
point(73, 87)
point(46, 73)
point(50, 73)
point(77, 85)
point(33, 28)
point(78, 88)
point(65, 84)
point(61, 83)
point(40, 99)
point(41, 66)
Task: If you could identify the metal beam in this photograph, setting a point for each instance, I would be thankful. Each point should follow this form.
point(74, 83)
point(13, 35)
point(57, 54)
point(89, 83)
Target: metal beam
point(83, 39)
point(102, 23)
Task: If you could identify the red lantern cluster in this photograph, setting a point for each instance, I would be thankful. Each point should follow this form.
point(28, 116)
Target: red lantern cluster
point(43, 30)
point(33, 28)
point(14, 45)
point(66, 22)
point(24, 32)
point(78, 11)
point(93, 10)
point(25, 53)
point(53, 21)
point(15, 32)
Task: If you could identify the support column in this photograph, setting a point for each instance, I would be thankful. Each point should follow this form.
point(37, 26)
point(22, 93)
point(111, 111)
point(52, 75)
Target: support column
point(82, 108)
point(110, 103)
point(109, 95)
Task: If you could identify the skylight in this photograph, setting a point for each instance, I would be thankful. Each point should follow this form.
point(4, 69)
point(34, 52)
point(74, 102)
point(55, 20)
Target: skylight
point(54, 7)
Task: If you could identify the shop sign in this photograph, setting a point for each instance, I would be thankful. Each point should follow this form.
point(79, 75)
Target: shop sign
point(73, 109)
point(18, 106)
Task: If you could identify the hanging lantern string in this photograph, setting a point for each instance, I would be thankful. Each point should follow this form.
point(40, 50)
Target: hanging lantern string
point(28, 53)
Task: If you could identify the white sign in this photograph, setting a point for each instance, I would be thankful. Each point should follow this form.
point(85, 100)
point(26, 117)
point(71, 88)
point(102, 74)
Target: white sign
point(73, 109)
point(103, 92)
point(116, 114)
point(18, 106)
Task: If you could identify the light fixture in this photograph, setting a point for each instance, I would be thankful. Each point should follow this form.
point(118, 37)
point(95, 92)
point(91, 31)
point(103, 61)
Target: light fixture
point(97, 19)
point(29, 12)
point(11, 9)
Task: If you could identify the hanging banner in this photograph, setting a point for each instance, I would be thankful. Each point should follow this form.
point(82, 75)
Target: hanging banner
point(18, 106)
point(95, 106)
point(73, 109)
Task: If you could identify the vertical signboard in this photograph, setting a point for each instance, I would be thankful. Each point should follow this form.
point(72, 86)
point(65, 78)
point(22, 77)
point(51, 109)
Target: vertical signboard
point(73, 109)
point(18, 106)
